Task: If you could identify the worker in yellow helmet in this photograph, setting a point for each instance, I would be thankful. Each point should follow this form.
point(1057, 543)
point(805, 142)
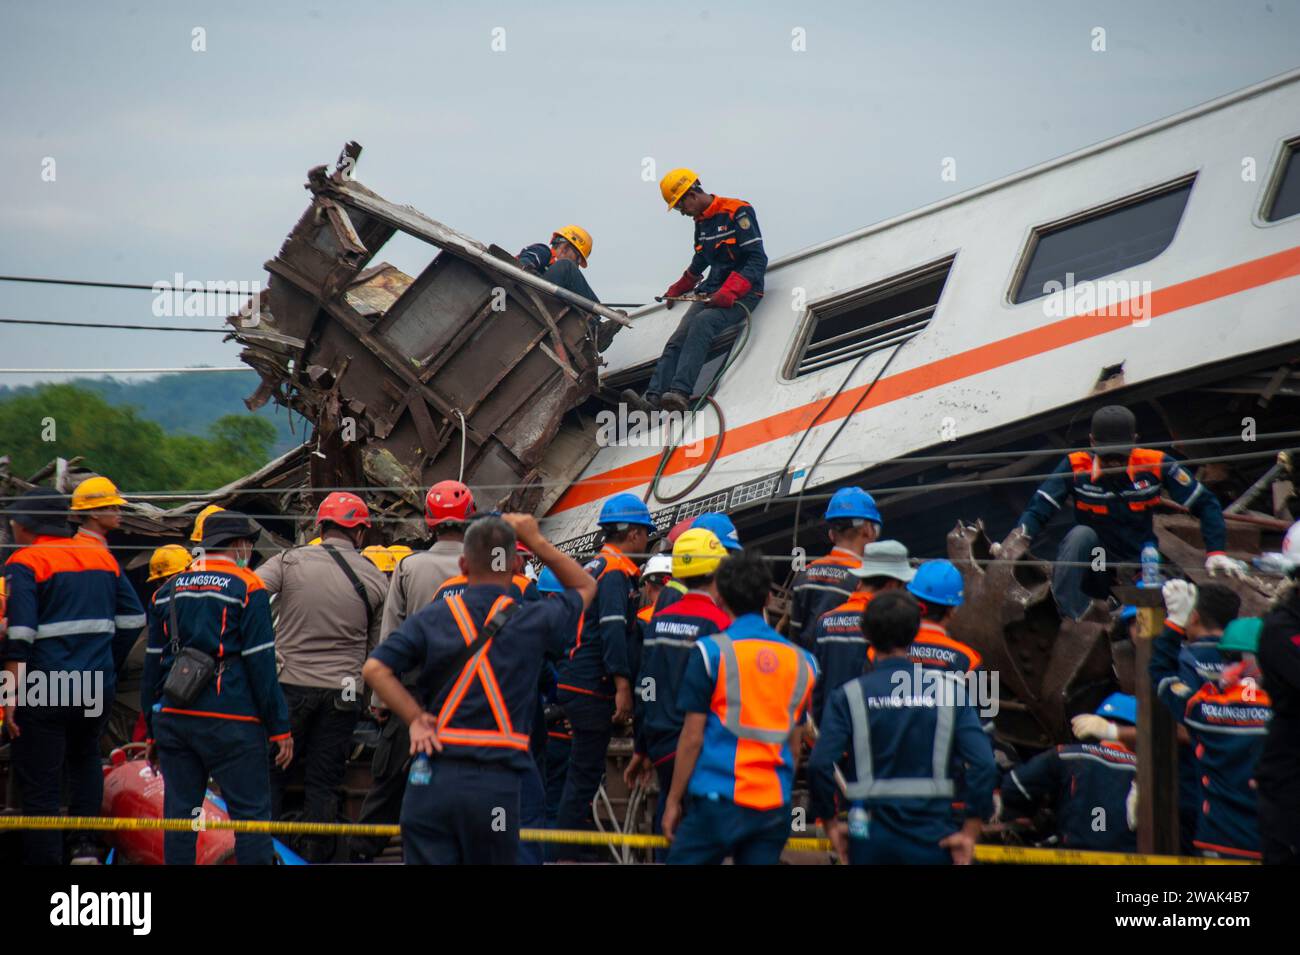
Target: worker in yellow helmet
point(204, 514)
point(398, 551)
point(381, 557)
point(166, 561)
point(96, 506)
point(729, 246)
point(561, 261)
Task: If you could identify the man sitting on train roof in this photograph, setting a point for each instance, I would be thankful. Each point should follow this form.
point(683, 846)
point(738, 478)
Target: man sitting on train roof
point(1115, 486)
point(729, 245)
point(560, 261)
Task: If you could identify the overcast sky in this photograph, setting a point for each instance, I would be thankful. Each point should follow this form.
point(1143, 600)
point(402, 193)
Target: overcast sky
point(170, 160)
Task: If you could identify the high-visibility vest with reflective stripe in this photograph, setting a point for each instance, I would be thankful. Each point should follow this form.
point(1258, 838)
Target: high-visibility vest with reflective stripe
point(477, 669)
point(759, 688)
point(938, 785)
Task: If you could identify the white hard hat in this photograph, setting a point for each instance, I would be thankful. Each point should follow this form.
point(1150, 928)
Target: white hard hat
point(1291, 546)
point(663, 564)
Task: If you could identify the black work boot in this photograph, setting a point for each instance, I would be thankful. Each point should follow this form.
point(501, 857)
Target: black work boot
point(636, 402)
point(674, 401)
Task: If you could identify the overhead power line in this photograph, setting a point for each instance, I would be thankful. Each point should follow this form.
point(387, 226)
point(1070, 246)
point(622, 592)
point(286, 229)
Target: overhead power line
point(113, 371)
point(109, 325)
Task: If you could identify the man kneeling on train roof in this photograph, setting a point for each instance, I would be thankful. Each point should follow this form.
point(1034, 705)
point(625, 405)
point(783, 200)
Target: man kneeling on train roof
point(729, 245)
point(560, 261)
point(1115, 486)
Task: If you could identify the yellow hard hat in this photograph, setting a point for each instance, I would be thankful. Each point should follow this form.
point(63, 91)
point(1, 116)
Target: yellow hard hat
point(399, 551)
point(381, 557)
point(197, 536)
point(96, 492)
point(313, 542)
point(697, 552)
point(676, 184)
point(167, 560)
point(579, 238)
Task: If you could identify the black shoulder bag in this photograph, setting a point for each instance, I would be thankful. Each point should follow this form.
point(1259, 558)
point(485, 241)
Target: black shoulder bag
point(192, 669)
point(357, 585)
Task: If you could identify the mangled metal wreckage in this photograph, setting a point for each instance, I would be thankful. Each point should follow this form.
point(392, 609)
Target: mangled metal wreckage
point(464, 371)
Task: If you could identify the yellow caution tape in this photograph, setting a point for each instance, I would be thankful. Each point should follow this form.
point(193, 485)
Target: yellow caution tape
point(1013, 855)
point(1024, 855)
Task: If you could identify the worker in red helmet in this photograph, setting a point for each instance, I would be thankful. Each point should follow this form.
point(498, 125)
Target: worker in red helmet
point(419, 577)
point(329, 602)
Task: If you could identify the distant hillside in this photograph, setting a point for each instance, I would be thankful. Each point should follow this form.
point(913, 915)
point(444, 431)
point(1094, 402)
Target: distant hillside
point(188, 403)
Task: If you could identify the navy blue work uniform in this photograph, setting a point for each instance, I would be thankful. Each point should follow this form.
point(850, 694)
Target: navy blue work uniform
point(821, 586)
point(1086, 785)
point(1176, 673)
point(1278, 769)
point(468, 812)
point(729, 245)
point(565, 273)
point(900, 749)
point(71, 610)
point(840, 647)
point(669, 643)
point(1114, 511)
point(223, 610)
point(585, 683)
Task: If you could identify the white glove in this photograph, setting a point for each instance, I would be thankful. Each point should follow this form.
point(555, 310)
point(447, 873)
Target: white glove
point(1222, 563)
point(1131, 807)
point(1088, 726)
point(1180, 598)
point(995, 550)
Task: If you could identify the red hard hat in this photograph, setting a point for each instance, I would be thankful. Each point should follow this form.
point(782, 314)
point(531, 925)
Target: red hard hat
point(448, 501)
point(343, 509)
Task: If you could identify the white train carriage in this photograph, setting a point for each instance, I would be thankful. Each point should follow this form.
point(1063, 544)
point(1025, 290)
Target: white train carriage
point(1161, 260)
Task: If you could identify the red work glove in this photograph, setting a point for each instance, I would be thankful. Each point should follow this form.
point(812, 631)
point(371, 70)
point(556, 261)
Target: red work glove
point(683, 285)
point(735, 286)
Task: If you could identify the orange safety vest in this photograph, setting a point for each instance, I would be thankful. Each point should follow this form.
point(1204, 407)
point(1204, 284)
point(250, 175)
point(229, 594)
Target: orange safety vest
point(477, 667)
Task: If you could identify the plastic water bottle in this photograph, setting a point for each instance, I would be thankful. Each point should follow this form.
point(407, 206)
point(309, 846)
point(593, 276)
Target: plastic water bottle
point(859, 822)
point(1150, 566)
point(421, 771)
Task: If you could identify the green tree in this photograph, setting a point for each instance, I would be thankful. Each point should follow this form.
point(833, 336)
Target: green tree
point(68, 421)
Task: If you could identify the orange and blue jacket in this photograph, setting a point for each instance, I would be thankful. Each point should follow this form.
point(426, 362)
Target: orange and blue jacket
point(754, 687)
point(670, 641)
point(521, 588)
point(487, 713)
point(70, 607)
point(1075, 781)
point(840, 647)
point(1120, 506)
point(727, 240)
point(223, 610)
point(933, 647)
point(1228, 726)
point(603, 648)
point(821, 586)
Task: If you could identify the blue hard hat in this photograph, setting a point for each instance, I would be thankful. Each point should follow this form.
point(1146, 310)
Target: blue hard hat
point(722, 528)
point(1128, 613)
point(1120, 706)
point(548, 583)
point(625, 508)
point(852, 503)
point(937, 582)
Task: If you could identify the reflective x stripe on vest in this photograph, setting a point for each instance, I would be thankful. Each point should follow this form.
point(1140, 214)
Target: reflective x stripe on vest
point(477, 666)
point(866, 786)
point(732, 721)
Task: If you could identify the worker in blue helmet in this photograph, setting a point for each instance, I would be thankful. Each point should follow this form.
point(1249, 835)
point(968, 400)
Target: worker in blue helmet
point(854, 522)
point(594, 680)
point(937, 584)
point(548, 583)
point(1087, 785)
point(722, 528)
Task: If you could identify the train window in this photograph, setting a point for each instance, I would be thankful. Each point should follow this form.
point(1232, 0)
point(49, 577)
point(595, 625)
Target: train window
point(1102, 241)
point(870, 319)
point(1286, 190)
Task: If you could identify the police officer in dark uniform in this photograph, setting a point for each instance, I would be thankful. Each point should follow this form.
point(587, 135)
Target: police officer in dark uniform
point(220, 608)
point(470, 716)
point(1115, 486)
